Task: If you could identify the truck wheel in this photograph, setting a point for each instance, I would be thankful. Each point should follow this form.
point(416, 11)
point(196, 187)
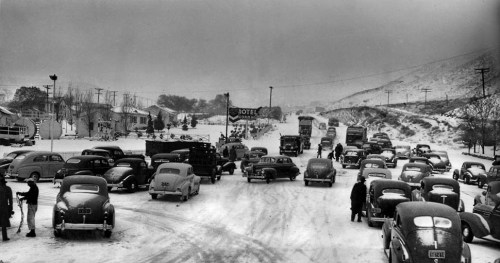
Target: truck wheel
point(268, 180)
point(19, 179)
point(343, 166)
point(154, 196)
point(306, 183)
point(467, 233)
point(292, 178)
point(231, 171)
point(249, 180)
point(467, 179)
point(132, 187)
point(330, 184)
point(212, 178)
point(480, 183)
point(109, 188)
point(35, 176)
point(57, 232)
point(455, 176)
point(107, 233)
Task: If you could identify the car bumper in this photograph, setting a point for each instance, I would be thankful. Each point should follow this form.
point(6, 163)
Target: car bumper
point(324, 180)
point(165, 192)
point(256, 176)
point(11, 175)
point(71, 226)
point(118, 185)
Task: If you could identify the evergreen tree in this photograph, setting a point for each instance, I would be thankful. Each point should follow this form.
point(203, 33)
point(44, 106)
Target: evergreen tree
point(150, 129)
point(194, 121)
point(184, 124)
point(158, 123)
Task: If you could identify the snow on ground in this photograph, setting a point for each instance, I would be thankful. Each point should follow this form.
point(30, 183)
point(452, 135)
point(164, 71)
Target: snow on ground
point(229, 221)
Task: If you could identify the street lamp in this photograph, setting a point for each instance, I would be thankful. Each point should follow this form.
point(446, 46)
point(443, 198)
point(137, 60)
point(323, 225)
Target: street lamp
point(54, 78)
point(227, 112)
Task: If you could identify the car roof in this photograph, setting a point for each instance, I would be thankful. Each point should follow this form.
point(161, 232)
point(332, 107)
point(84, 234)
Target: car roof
point(319, 160)
point(162, 155)
point(407, 211)
point(180, 166)
point(96, 150)
point(371, 156)
point(114, 147)
point(34, 153)
point(469, 163)
point(88, 157)
point(130, 160)
point(380, 185)
point(258, 147)
point(421, 165)
point(180, 150)
point(84, 179)
point(428, 181)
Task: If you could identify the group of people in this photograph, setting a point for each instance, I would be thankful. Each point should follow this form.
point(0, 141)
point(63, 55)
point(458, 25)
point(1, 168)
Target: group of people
point(230, 153)
point(336, 152)
point(6, 206)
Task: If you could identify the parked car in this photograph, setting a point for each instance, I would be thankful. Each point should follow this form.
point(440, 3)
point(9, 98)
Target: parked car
point(376, 156)
point(249, 158)
point(491, 176)
point(174, 179)
point(444, 158)
point(413, 173)
point(424, 232)
point(470, 172)
point(371, 174)
point(381, 135)
point(390, 157)
point(129, 173)
point(327, 143)
point(117, 153)
point(36, 165)
point(372, 147)
point(384, 143)
point(420, 159)
point(160, 158)
point(484, 221)
point(7, 160)
point(320, 170)
point(489, 197)
point(83, 204)
point(240, 148)
point(224, 164)
point(371, 163)
point(259, 149)
point(100, 152)
point(439, 190)
point(403, 151)
point(421, 149)
point(353, 157)
point(271, 168)
point(435, 161)
point(82, 164)
point(382, 198)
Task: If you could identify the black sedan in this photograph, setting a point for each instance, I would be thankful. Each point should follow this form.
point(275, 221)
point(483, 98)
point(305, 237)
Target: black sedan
point(84, 164)
point(129, 173)
point(321, 171)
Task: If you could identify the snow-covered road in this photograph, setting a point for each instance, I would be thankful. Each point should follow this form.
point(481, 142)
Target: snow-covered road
point(229, 221)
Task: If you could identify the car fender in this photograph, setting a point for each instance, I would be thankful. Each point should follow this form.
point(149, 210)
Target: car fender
point(25, 172)
point(228, 166)
point(295, 171)
point(386, 233)
point(108, 207)
point(128, 179)
point(84, 172)
point(269, 172)
point(479, 226)
point(457, 172)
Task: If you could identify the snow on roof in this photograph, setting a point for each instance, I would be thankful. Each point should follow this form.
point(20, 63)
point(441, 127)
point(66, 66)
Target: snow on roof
point(119, 109)
point(169, 110)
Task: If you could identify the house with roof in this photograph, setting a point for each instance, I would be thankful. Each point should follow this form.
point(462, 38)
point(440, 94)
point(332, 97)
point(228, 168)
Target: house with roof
point(168, 114)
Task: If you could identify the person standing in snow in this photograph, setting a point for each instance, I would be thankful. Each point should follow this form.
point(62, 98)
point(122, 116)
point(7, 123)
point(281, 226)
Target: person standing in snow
point(232, 154)
point(320, 151)
point(31, 198)
point(338, 151)
point(5, 207)
point(358, 198)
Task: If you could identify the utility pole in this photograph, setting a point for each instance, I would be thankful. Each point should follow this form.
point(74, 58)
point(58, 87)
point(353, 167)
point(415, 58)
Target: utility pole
point(388, 92)
point(114, 97)
point(47, 87)
point(227, 112)
point(426, 90)
point(482, 71)
point(98, 94)
point(270, 97)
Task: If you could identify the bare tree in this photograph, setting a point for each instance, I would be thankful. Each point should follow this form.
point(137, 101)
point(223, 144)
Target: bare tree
point(87, 110)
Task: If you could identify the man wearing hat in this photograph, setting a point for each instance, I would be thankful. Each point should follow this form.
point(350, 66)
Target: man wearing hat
point(358, 198)
point(31, 198)
point(5, 207)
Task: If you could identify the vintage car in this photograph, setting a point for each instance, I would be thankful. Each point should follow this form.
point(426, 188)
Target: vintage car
point(240, 148)
point(353, 157)
point(376, 156)
point(403, 151)
point(322, 126)
point(272, 167)
point(391, 159)
point(100, 152)
point(413, 173)
point(320, 170)
point(384, 143)
point(327, 143)
point(444, 158)
point(259, 149)
point(435, 161)
point(420, 159)
point(484, 221)
point(381, 135)
point(424, 232)
point(371, 174)
point(82, 164)
point(470, 172)
point(174, 179)
point(249, 158)
point(129, 173)
point(293, 144)
point(439, 190)
point(382, 198)
point(372, 147)
point(36, 165)
point(491, 176)
point(7, 160)
point(224, 164)
point(331, 132)
point(371, 163)
point(160, 158)
point(83, 204)
point(421, 149)
point(489, 197)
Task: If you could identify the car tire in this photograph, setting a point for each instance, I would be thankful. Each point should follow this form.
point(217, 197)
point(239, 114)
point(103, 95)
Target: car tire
point(57, 232)
point(455, 176)
point(132, 187)
point(268, 180)
point(154, 196)
point(467, 179)
point(467, 233)
point(107, 233)
point(19, 179)
point(109, 188)
point(249, 179)
point(343, 166)
point(231, 171)
point(306, 183)
point(480, 183)
point(35, 176)
point(330, 184)
point(292, 178)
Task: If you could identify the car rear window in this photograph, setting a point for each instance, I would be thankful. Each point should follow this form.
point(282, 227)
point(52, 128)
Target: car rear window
point(442, 186)
point(429, 221)
point(170, 171)
point(318, 165)
point(123, 165)
point(73, 161)
point(84, 188)
point(413, 168)
point(477, 166)
point(351, 154)
point(382, 175)
point(393, 191)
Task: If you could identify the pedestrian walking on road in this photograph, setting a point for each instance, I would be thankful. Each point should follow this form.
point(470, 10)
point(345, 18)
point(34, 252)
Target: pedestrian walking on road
point(358, 198)
point(320, 151)
point(31, 198)
point(338, 151)
point(232, 154)
point(6, 211)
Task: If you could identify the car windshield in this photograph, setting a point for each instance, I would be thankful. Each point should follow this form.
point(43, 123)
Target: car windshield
point(170, 171)
point(123, 165)
point(429, 221)
point(84, 188)
point(413, 168)
point(442, 187)
point(351, 153)
point(477, 166)
point(425, 148)
point(267, 160)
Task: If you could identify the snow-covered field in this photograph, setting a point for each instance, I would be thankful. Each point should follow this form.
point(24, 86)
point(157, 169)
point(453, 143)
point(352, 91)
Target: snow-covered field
point(229, 221)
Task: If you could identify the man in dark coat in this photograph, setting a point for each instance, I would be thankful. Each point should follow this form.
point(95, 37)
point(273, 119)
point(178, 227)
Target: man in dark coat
point(5, 207)
point(225, 152)
point(358, 198)
point(31, 198)
point(338, 151)
point(232, 154)
point(320, 151)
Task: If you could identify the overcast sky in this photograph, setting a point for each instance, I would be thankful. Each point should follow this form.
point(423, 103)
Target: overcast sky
point(199, 48)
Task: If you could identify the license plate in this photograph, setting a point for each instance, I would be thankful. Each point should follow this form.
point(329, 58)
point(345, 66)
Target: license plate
point(376, 210)
point(84, 211)
point(437, 254)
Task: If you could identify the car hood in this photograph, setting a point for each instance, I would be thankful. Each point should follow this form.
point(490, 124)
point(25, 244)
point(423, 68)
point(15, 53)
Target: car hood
point(476, 171)
point(117, 174)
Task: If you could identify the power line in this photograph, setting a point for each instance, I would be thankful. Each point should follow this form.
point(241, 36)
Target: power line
point(388, 92)
point(426, 90)
point(98, 93)
point(482, 71)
